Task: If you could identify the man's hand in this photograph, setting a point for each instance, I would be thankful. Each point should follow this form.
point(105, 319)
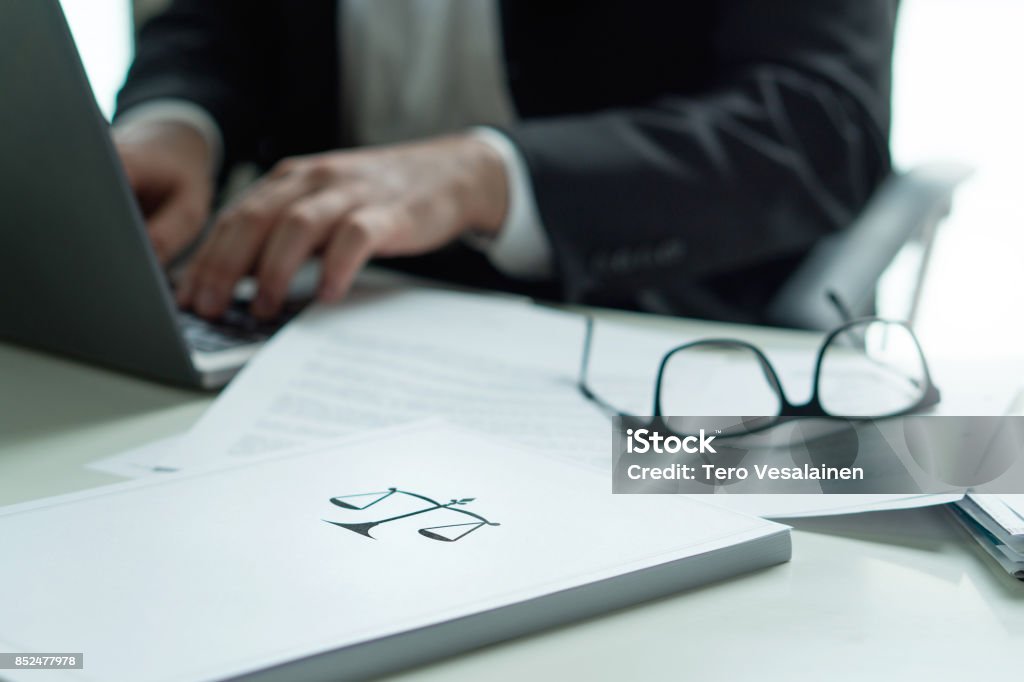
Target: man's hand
point(350, 206)
point(168, 167)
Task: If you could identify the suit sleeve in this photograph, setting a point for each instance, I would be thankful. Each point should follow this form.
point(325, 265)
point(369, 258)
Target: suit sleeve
point(784, 146)
point(212, 54)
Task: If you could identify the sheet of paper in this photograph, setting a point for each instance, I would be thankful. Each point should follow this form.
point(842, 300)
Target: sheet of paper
point(796, 506)
point(328, 547)
point(1007, 560)
point(142, 461)
point(501, 367)
point(1006, 510)
point(1015, 503)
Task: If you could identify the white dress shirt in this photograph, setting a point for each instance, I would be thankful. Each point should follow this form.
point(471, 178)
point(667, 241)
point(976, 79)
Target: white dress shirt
point(414, 69)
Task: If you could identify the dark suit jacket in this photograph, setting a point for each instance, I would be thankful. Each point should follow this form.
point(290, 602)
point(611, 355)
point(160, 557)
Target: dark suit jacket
point(684, 155)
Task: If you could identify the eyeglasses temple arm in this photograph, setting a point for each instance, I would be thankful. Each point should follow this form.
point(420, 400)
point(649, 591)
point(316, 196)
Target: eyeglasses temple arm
point(588, 337)
point(581, 383)
point(841, 308)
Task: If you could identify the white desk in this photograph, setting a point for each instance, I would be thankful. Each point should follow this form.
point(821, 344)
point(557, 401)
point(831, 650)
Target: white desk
point(890, 595)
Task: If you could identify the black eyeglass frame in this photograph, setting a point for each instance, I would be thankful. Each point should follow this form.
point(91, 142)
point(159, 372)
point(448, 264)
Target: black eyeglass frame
point(787, 409)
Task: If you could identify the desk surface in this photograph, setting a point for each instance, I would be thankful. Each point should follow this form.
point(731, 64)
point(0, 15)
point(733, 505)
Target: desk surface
point(886, 595)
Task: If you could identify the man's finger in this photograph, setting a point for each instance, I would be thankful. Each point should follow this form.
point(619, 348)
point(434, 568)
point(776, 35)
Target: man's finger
point(351, 246)
point(302, 229)
point(137, 174)
point(174, 225)
point(235, 243)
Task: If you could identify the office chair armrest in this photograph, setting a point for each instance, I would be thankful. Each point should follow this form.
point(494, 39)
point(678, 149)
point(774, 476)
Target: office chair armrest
point(849, 263)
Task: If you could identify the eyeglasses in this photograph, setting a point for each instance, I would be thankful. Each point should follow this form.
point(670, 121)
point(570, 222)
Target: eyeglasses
point(868, 368)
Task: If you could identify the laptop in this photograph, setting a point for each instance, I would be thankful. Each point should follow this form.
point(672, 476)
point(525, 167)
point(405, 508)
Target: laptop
point(77, 274)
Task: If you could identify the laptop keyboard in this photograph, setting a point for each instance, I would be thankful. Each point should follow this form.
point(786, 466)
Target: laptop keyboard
point(235, 328)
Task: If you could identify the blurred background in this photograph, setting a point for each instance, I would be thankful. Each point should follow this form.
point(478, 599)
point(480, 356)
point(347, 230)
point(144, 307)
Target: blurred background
point(957, 97)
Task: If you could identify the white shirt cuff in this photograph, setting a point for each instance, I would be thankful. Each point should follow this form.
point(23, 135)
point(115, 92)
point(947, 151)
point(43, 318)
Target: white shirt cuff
point(177, 111)
point(522, 248)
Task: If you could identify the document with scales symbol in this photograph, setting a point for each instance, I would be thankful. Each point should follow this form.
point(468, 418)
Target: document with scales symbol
point(293, 587)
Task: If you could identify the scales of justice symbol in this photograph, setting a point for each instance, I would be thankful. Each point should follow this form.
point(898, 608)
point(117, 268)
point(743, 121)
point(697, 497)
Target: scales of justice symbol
point(445, 533)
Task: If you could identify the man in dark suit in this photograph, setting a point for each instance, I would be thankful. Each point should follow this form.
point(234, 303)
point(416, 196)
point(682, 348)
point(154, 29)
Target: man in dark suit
point(678, 157)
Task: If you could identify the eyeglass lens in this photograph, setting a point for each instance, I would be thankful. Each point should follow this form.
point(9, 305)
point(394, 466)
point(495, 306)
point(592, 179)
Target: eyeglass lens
point(717, 379)
point(872, 369)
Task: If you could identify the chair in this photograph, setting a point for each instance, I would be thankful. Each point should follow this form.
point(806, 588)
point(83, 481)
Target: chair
point(907, 207)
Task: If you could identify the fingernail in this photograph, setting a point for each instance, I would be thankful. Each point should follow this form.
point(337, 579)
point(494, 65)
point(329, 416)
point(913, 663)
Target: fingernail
point(325, 292)
point(184, 292)
point(206, 302)
point(262, 306)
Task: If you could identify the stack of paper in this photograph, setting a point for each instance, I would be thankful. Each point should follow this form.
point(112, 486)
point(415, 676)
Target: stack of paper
point(346, 561)
point(996, 522)
point(499, 366)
